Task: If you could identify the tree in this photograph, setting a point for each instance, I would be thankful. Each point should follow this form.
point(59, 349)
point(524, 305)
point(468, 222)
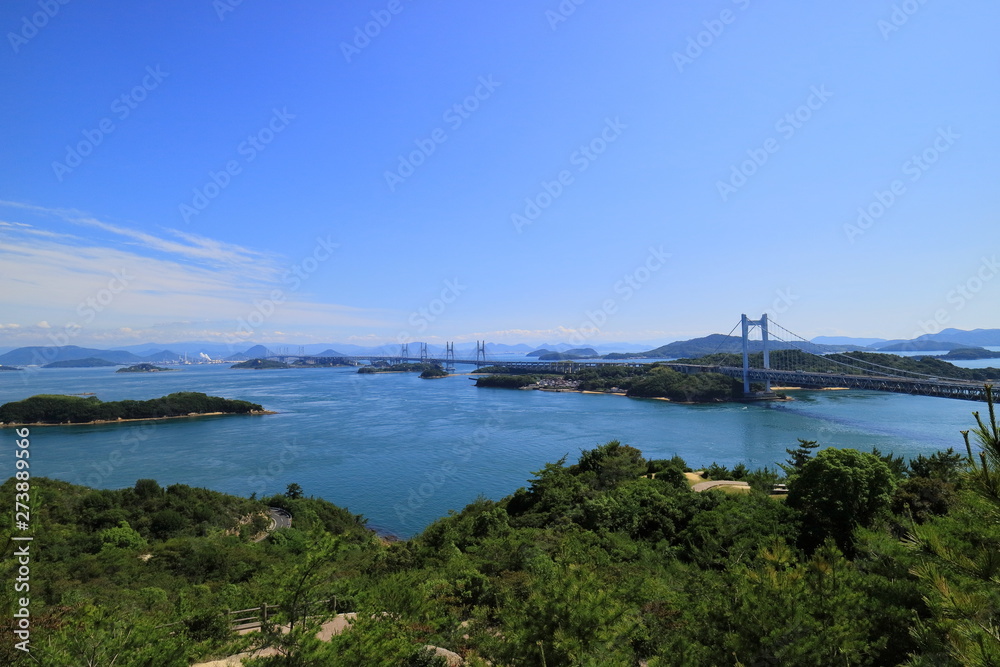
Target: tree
point(960, 568)
point(147, 488)
point(838, 490)
point(946, 466)
point(613, 463)
point(799, 457)
point(122, 536)
point(293, 491)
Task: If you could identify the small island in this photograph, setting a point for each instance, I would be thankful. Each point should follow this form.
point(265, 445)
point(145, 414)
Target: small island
point(144, 368)
point(261, 364)
point(433, 372)
point(46, 409)
point(89, 362)
point(968, 353)
point(9, 368)
point(650, 381)
point(569, 355)
point(382, 367)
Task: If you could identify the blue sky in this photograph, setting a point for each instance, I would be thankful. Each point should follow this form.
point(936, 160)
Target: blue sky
point(641, 171)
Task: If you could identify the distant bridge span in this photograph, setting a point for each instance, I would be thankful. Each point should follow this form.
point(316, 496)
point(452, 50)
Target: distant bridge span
point(940, 387)
point(867, 373)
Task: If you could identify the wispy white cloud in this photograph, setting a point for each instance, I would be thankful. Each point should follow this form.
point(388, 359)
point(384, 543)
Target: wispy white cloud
point(123, 283)
point(194, 248)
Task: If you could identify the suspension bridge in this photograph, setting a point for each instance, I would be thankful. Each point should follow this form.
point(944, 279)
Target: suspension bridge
point(764, 356)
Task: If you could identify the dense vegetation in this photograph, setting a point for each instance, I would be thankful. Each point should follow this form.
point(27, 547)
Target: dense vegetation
point(648, 381)
point(143, 368)
point(612, 560)
point(89, 362)
point(697, 388)
point(261, 364)
point(968, 353)
point(576, 353)
point(398, 368)
point(147, 574)
point(56, 409)
point(434, 371)
point(506, 381)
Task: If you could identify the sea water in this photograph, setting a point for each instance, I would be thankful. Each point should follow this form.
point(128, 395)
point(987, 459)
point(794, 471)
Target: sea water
point(404, 451)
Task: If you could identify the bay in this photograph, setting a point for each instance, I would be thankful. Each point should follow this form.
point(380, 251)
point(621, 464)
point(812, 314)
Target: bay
point(404, 451)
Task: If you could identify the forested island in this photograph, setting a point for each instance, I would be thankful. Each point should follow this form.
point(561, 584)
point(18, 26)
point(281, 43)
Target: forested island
point(9, 368)
point(261, 364)
point(144, 368)
point(611, 560)
point(967, 353)
point(649, 381)
point(381, 367)
point(58, 409)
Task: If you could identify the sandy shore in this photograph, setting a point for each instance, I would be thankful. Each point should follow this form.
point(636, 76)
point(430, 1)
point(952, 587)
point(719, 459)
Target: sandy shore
point(812, 389)
point(144, 419)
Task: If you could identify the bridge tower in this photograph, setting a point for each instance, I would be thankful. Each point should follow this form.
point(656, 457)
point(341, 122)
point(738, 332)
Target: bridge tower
point(747, 323)
point(404, 352)
point(480, 353)
point(449, 357)
point(423, 353)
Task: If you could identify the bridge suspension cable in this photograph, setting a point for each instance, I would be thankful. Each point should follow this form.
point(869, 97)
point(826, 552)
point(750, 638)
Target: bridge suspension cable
point(895, 372)
point(727, 337)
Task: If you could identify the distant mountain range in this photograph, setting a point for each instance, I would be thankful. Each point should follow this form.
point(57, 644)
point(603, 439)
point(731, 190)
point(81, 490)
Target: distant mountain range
point(847, 340)
point(699, 347)
point(41, 355)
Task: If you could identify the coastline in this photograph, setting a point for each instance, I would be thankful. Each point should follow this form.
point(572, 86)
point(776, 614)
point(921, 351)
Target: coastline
point(141, 419)
point(564, 390)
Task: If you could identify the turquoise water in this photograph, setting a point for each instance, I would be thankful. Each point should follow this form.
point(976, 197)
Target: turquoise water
point(404, 451)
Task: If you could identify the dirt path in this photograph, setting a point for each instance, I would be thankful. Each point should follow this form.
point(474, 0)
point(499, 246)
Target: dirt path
point(337, 625)
point(715, 484)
